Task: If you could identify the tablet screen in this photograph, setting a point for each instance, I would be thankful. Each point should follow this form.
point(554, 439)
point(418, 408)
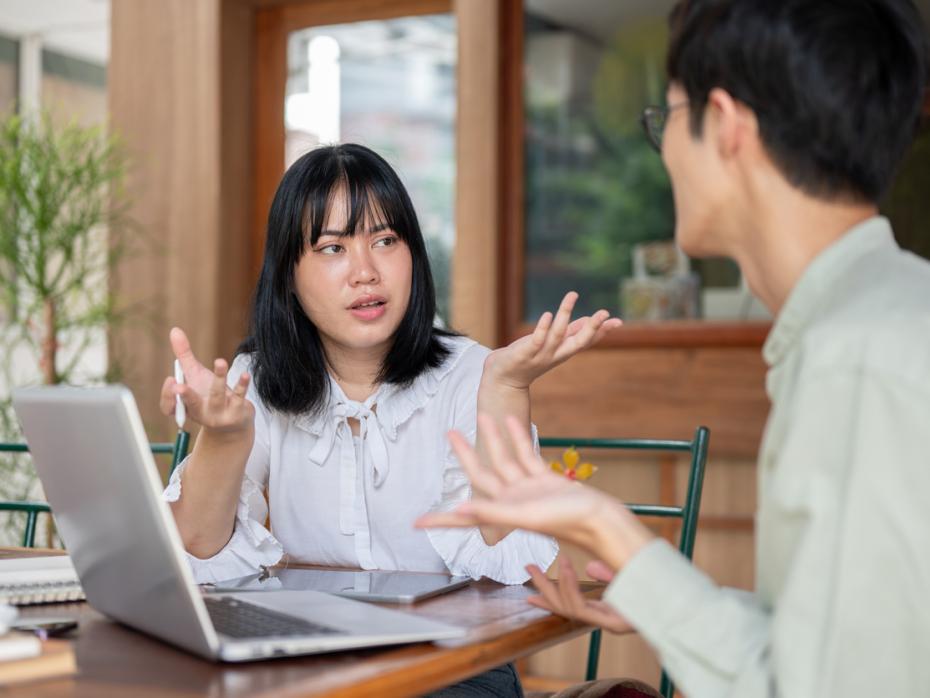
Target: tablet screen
point(377, 585)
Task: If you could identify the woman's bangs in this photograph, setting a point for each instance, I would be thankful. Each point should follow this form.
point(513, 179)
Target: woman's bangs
point(373, 202)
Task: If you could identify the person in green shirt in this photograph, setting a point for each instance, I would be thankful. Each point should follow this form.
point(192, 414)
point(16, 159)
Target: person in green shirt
point(783, 127)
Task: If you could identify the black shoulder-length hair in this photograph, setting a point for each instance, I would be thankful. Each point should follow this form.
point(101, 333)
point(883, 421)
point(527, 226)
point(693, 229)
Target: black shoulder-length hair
point(288, 364)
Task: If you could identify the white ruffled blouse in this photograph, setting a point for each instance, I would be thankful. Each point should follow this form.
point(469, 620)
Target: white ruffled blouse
point(340, 500)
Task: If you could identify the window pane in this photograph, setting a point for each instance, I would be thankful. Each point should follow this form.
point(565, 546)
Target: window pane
point(599, 211)
point(74, 88)
point(9, 65)
point(389, 85)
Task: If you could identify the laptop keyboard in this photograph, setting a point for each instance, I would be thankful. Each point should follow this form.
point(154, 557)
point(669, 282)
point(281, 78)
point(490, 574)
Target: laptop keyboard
point(239, 619)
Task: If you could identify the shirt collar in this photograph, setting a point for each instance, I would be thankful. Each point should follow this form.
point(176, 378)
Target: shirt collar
point(812, 290)
point(317, 423)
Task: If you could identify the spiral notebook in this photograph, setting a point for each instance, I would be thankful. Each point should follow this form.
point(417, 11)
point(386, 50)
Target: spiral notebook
point(43, 579)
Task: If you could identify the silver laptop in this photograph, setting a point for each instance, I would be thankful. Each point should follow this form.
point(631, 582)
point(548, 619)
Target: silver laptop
point(93, 459)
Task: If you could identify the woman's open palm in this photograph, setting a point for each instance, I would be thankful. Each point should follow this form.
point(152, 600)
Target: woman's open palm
point(555, 339)
point(207, 398)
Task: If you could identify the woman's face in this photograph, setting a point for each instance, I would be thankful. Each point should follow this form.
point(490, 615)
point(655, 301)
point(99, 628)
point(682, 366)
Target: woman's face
point(354, 289)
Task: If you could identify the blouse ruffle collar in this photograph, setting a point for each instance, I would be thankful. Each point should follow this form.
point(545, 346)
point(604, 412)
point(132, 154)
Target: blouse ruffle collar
point(395, 405)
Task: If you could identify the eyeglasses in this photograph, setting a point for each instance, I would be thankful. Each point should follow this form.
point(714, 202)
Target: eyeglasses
point(654, 119)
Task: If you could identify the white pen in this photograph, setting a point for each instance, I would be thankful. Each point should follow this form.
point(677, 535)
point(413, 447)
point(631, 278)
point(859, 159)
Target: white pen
point(180, 414)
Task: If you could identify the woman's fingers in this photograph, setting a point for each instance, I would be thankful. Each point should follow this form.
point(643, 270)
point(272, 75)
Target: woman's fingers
point(560, 323)
point(541, 329)
point(216, 397)
point(584, 337)
point(166, 401)
point(587, 335)
point(575, 326)
point(181, 347)
point(191, 400)
point(609, 325)
point(242, 385)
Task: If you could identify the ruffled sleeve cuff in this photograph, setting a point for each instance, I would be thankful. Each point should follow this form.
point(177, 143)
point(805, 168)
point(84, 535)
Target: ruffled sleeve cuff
point(465, 553)
point(250, 547)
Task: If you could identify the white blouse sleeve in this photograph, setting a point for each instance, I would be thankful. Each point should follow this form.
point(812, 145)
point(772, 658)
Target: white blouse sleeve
point(251, 544)
point(463, 549)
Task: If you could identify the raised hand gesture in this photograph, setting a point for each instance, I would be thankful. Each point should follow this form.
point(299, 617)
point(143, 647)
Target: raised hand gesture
point(519, 491)
point(565, 598)
point(207, 399)
point(555, 339)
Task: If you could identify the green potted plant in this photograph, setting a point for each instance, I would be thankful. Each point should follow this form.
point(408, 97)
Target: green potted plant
point(62, 230)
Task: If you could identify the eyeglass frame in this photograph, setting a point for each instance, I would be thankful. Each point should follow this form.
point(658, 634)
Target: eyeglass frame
point(654, 133)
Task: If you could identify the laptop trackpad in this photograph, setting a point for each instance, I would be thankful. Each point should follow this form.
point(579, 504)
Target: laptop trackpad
point(354, 617)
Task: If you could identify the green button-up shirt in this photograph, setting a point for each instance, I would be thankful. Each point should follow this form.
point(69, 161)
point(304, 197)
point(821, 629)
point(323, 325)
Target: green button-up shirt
point(842, 600)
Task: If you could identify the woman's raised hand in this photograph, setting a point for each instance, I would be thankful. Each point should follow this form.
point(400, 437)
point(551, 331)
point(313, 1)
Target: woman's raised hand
point(555, 339)
point(207, 398)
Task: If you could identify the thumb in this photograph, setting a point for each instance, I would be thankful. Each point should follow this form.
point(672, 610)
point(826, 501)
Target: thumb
point(181, 347)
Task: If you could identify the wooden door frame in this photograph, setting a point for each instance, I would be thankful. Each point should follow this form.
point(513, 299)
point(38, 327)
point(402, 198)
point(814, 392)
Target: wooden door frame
point(273, 22)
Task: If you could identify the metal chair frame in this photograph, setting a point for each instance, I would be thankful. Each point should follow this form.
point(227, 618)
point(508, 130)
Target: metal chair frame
point(687, 512)
point(178, 451)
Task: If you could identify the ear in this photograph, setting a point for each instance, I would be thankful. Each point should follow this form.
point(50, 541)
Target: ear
point(733, 124)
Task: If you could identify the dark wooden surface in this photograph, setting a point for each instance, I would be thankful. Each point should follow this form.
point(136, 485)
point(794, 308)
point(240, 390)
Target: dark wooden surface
point(117, 661)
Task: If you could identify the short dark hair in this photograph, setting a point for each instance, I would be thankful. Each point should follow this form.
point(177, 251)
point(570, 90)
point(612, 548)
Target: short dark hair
point(836, 85)
point(288, 364)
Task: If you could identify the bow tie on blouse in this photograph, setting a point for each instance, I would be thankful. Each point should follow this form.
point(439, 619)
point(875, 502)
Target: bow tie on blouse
point(374, 469)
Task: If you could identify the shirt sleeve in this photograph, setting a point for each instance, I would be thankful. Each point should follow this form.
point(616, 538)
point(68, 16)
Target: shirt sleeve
point(251, 545)
point(847, 493)
point(463, 549)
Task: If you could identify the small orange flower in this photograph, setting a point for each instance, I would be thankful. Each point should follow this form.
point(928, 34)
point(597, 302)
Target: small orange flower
point(570, 467)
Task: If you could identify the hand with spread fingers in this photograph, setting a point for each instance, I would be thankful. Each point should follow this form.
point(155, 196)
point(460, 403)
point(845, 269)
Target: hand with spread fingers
point(212, 474)
point(207, 398)
point(518, 490)
point(555, 339)
point(565, 598)
point(509, 371)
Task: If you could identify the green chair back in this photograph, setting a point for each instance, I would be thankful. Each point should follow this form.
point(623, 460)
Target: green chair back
point(687, 512)
point(178, 451)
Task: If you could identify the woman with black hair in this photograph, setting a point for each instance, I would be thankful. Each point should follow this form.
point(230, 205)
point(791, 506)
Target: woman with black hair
point(337, 405)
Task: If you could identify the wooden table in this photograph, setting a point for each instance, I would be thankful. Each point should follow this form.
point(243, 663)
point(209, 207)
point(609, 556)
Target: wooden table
point(117, 661)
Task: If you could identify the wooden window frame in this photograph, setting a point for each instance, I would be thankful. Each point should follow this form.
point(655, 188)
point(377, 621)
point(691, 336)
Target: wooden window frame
point(512, 249)
point(273, 21)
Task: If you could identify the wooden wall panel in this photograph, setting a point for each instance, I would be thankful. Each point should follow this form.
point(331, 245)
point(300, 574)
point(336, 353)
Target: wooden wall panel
point(660, 393)
point(238, 268)
point(475, 296)
point(177, 95)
